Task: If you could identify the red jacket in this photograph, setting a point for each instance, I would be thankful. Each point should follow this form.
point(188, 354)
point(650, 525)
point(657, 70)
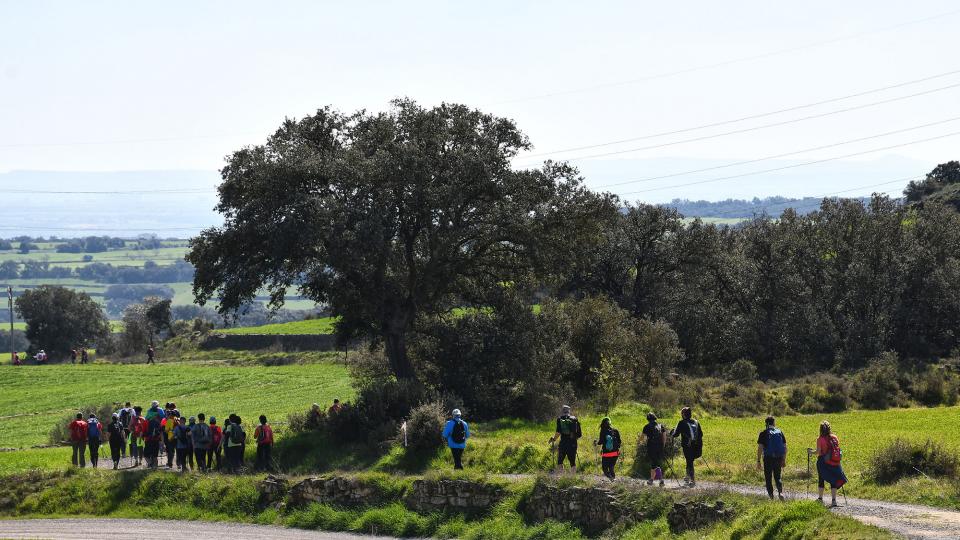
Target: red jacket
point(78, 431)
point(140, 426)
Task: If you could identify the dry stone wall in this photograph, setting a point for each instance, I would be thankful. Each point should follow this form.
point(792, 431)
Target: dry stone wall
point(457, 495)
point(593, 508)
point(338, 490)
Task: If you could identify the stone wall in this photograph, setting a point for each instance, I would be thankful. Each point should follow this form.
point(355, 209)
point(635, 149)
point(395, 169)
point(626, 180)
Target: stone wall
point(338, 490)
point(593, 508)
point(253, 342)
point(457, 495)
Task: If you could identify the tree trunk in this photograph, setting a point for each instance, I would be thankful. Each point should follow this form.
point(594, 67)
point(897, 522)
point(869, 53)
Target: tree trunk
point(396, 346)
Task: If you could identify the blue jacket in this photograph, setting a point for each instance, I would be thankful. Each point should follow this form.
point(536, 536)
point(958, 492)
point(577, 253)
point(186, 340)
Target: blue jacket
point(448, 432)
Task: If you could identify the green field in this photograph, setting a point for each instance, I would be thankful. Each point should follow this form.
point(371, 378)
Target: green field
point(34, 398)
point(313, 326)
point(117, 257)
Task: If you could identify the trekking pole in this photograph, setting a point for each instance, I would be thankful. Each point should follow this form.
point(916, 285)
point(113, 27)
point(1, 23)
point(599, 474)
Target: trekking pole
point(806, 493)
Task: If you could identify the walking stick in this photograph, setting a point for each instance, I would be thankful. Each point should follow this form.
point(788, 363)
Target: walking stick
point(806, 493)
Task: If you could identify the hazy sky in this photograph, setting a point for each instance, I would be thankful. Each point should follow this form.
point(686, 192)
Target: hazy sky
point(123, 86)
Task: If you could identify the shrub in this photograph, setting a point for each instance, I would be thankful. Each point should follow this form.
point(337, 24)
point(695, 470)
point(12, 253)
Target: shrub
point(901, 459)
point(424, 428)
point(61, 432)
point(742, 371)
point(311, 420)
point(877, 386)
point(931, 387)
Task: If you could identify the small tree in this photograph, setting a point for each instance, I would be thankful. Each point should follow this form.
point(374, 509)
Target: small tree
point(143, 323)
point(59, 319)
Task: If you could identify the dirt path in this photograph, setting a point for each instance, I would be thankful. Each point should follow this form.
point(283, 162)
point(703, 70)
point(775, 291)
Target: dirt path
point(907, 520)
point(96, 529)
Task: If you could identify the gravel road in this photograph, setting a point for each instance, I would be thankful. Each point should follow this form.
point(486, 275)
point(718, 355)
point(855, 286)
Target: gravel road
point(97, 529)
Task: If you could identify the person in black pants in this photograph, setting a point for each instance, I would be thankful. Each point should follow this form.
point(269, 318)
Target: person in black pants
point(772, 450)
point(691, 440)
point(568, 431)
point(115, 438)
point(609, 443)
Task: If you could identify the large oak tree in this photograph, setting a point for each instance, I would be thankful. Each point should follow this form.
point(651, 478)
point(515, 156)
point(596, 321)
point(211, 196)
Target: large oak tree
point(388, 216)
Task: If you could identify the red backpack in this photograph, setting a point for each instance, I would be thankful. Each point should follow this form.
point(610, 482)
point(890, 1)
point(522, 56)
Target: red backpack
point(835, 455)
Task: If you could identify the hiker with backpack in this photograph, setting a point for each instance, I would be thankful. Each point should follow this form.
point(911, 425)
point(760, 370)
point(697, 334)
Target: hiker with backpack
point(264, 437)
point(456, 432)
point(152, 437)
point(181, 433)
point(200, 433)
point(691, 441)
point(235, 440)
point(568, 431)
point(656, 438)
point(94, 435)
point(772, 452)
point(829, 470)
point(125, 413)
point(170, 442)
point(609, 443)
point(138, 427)
point(115, 438)
point(78, 440)
point(216, 445)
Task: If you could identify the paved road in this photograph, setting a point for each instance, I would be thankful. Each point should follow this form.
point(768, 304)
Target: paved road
point(97, 529)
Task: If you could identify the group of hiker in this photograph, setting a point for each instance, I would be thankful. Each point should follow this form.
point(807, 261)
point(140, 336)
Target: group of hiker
point(81, 353)
point(194, 443)
point(771, 449)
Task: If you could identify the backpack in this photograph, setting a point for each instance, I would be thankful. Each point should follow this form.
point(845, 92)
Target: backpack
point(695, 433)
point(237, 436)
point(835, 455)
point(776, 443)
point(125, 417)
point(93, 430)
point(76, 430)
point(183, 435)
point(569, 426)
point(115, 430)
point(611, 443)
point(153, 429)
point(458, 433)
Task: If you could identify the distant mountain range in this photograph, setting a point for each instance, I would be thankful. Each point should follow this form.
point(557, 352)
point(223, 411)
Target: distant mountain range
point(741, 208)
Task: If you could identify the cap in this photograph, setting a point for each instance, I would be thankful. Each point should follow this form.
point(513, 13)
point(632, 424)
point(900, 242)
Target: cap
point(565, 408)
point(456, 412)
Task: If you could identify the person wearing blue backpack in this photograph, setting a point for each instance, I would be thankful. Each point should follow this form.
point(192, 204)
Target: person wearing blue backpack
point(94, 437)
point(609, 443)
point(456, 432)
point(772, 451)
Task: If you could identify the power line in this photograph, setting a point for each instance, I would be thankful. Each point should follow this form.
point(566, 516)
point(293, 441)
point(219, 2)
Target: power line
point(744, 118)
point(765, 126)
point(785, 154)
point(724, 62)
point(795, 165)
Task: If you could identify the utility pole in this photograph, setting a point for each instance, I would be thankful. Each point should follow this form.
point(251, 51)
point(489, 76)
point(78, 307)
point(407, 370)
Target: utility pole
point(10, 307)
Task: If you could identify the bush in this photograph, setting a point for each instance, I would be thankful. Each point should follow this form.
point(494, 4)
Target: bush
point(877, 386)
point(742, 371)
point(311, 420)
point(424, 428)
point(61, 430)
point(901, 459)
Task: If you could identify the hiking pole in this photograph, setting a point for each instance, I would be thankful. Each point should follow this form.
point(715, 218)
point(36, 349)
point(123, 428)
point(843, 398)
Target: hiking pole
point(806, 493)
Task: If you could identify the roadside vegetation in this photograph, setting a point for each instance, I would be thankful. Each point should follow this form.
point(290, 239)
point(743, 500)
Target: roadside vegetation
point(222, 498)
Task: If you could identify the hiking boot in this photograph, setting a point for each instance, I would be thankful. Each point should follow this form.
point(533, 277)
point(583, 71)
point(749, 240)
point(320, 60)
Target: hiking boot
point(833, 504)
point(649, 482)
point(661, 483)
point(781, 497)
point(691, 484)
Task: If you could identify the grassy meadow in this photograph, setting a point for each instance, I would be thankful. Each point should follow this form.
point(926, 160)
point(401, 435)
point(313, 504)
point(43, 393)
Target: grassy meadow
point(34, 398)
point(322, 325)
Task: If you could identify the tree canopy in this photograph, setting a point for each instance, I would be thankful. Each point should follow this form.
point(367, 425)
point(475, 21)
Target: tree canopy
point(388, 216)
point(59, 319)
